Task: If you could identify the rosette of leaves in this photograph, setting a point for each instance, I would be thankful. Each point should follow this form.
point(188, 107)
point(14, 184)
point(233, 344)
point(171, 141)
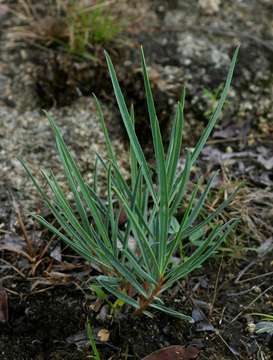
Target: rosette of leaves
point(151, 199)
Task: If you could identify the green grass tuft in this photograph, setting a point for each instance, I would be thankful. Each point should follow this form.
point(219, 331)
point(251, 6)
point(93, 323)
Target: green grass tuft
point(138, 276)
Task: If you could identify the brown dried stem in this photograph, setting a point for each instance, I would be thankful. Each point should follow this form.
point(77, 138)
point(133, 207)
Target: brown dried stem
point(144, 303)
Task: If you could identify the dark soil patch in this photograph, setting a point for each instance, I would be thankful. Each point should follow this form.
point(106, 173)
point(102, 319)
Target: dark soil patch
point(39, 325)
point(43, 325)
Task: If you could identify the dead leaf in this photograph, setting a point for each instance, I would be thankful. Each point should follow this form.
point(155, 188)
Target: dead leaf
point(16, 250)
point(265, 247)
point(79, 339)
point(200, 320)
point(56, 253)
point(103, 335)
point(40, 282)
point(57, 276)
point(175, 352)
point(266, 163)
point(13, 240)
point(104, 313)
point(3, 306)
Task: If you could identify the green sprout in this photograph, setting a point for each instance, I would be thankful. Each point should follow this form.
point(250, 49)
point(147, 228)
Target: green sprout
point(91, 339)
point(138, 277)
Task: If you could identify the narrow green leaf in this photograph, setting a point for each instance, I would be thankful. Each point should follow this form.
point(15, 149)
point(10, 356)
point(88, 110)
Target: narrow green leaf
point(203, 252)
point(143, 274)
point(122, 270)
point(133, 206)
point(108, 143)
point(175, 143)
point(215, 116)
point(72, 170)
point(189, 231)
point(119, 294)
point(110, 214)
point(181, 185)
point(161, 167)
point(75, 242)
point(171, 312)
point(92, 341)
point(63, 223)
point(95, 176)
point(133, 159)
point(129, 127)
point(140, 236)
point(195, 212)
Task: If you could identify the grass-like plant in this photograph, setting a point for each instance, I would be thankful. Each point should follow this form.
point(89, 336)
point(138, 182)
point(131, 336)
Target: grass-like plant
point(89, 25)
point(138, 275)
point(73, 25)
point(92, 341)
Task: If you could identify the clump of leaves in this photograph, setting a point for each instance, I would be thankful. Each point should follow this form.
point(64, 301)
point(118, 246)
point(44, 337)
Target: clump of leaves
point(139, 274)
point(74, 25)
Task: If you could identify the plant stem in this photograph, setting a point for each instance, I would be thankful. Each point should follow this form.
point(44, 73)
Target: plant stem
point(144, 303)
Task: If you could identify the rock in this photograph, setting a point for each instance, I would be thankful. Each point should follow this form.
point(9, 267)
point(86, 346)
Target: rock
point(3, 83)
point(209, 7)
point(4, 9)
point(194, 49)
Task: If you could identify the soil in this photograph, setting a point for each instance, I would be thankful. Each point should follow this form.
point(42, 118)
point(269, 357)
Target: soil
point(49, 300)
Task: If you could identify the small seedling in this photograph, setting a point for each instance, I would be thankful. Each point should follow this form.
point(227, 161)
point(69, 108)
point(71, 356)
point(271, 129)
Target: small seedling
point(138, 276)
point(92, 341)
